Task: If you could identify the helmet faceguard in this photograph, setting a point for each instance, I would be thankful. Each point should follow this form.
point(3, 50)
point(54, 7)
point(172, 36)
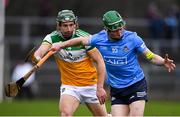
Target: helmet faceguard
point(112, 20)
point(66, 16)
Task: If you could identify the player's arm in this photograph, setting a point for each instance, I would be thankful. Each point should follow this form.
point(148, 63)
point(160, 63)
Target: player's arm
point(158, 60)
point(101, 71)
point(74, 41)
point(41, 51)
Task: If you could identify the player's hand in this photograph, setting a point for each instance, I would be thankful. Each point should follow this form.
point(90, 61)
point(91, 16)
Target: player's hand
point(56, 47)
point(101, 94)
point(35, 60)
point(169, 64)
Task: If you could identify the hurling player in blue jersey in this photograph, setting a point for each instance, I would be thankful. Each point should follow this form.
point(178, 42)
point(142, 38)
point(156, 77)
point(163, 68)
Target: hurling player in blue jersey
point(119, 49)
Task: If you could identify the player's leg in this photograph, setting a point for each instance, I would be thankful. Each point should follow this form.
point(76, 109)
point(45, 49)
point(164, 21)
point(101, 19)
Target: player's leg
point(119, 101)
point(97, 109)
point(69, 100)
point(88, 94)
point(139, 98)
point(120, 110)
point(68, 105)
point(137, 108)
point(129, 100)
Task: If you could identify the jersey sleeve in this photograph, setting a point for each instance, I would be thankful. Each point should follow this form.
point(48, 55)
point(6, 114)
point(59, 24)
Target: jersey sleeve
point(97, 38)
point(89, 46)
point(139, 44)
point(47, 39)
point(93, 40)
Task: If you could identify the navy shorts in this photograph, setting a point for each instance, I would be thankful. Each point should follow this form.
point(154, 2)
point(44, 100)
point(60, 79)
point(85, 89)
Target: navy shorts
point(127, 95)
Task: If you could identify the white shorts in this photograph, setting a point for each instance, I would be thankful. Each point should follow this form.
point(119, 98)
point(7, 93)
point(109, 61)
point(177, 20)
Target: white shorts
point(83, 94)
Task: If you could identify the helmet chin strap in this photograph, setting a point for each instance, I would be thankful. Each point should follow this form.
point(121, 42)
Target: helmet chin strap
point(115, 39)
point(65, 38)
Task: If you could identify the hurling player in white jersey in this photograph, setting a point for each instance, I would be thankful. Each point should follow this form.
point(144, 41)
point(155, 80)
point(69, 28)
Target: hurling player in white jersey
point(80, 81)
point(119, 49)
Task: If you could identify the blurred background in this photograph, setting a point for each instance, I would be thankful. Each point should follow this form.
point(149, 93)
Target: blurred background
point(157, 21)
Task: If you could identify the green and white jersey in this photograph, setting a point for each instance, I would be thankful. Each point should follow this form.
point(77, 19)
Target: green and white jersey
point(70, 54)
point(75, 66)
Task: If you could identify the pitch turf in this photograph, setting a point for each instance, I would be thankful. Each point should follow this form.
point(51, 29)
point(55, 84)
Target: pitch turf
point(50, 108)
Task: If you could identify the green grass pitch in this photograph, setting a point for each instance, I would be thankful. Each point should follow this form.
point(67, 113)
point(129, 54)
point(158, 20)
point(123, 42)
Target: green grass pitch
point(50, 108)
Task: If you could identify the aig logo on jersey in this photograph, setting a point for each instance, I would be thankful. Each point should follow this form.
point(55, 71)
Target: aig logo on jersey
point(115, 60)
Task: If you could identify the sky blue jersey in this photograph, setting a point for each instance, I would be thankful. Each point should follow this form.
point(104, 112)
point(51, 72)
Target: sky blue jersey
point(123, 68)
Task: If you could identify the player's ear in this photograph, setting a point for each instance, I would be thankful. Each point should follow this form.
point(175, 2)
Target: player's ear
point(124, 27)
point(77, 25)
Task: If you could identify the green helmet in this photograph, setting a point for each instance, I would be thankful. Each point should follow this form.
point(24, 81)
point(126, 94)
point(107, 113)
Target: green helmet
point(112, 20)
point(66, 15)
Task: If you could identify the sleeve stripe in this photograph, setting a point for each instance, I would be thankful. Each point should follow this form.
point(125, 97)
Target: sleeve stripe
point(46, 42)
point(92, 47)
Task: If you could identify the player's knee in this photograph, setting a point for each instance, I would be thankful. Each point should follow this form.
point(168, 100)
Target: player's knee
point(66, 112)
